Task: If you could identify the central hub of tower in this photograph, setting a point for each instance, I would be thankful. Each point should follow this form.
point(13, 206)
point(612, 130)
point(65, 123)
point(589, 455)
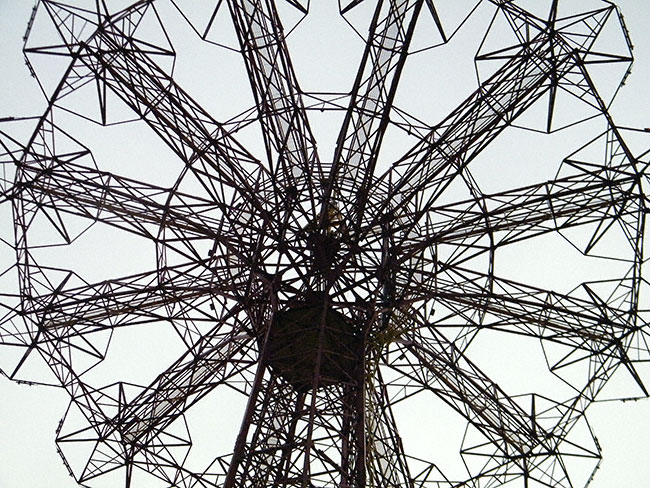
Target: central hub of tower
point(311, 341)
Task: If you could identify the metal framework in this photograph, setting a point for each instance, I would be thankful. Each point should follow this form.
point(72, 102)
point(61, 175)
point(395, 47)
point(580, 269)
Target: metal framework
point(327, 292)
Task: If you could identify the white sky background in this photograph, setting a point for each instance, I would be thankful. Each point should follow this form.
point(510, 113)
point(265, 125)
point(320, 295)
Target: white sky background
point(325, 58)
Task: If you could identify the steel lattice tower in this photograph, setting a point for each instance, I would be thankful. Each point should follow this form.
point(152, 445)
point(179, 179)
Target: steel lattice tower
point(323, 291)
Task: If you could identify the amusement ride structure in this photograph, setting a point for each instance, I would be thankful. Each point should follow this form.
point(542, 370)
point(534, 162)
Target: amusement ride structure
point(329, 289)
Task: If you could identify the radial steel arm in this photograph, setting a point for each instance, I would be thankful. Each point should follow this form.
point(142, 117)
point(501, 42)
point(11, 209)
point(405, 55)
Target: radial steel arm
point(113, 303)
point(441, 367)
point(589, 324)
point(368, 114)
point(528, 73)
point(128, 204)
point(522, 213)
point(178, 119)
point(278, 99)
point(427, 359)
point(223, 356)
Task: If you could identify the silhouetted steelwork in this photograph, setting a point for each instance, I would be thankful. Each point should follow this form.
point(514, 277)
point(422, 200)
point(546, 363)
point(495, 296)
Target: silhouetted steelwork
point(325, 292)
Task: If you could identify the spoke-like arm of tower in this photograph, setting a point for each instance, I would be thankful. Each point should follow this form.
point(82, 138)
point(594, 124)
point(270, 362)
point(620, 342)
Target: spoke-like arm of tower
point(522, 213)
point(428, 360)
point(285, 127)
point(114, 303)
point(225, 355)
point(77, 311)
point(220, 357)
point(109, 452)
point(186, 128)
point(135, 206)
point(177, 294)
point(512, 436)
point(590, 324)
point(429, 167)
point(368, 114)
point(201, 142)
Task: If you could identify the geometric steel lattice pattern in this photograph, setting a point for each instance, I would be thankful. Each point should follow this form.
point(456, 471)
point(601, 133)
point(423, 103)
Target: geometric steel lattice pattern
point(326, 267)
